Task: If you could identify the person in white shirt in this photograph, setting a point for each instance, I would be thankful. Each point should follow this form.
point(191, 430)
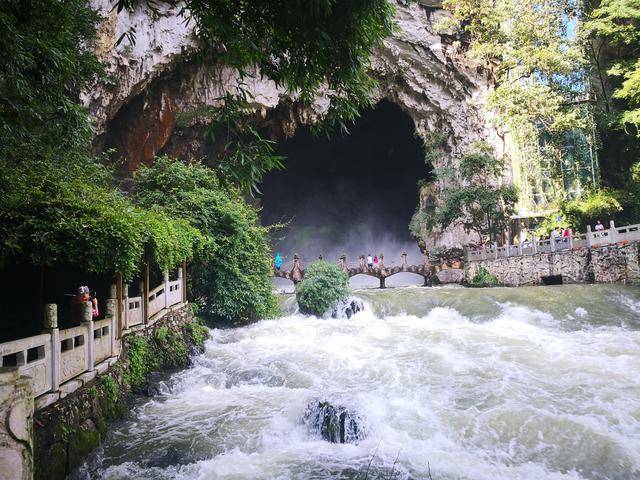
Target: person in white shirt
point(369, 261)
point(599, 226)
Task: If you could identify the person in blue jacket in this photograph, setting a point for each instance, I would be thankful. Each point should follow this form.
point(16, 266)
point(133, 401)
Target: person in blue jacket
point(278, 261)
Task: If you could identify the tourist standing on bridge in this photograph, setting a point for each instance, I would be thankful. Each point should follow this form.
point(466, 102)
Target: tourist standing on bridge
point(599, 226)
point(376, 263)
point(278, 261)
point(369, 261)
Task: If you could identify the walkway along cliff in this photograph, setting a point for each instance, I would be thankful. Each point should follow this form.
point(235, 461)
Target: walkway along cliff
point(608, 256)
point(58, 389)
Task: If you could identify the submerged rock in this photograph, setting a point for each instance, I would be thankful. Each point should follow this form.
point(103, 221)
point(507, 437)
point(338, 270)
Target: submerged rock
point(347, 307)
point(334, 423)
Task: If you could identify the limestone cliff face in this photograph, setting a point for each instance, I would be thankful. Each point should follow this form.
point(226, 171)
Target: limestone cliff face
point(156, 78)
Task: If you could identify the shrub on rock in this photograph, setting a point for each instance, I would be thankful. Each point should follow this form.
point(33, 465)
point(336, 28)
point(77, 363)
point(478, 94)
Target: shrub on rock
point(322, 287)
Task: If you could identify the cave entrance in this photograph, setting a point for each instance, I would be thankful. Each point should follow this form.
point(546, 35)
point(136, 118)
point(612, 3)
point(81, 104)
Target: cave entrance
point(349, 193)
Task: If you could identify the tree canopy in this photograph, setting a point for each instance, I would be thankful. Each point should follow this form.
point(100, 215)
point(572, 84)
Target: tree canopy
point(476, 200)
point(44, 64)
point(230, 276)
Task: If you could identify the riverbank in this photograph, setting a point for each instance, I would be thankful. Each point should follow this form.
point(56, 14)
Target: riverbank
point(66, 432)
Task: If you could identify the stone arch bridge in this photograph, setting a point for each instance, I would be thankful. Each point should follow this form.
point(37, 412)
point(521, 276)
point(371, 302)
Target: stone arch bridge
point(432, 273)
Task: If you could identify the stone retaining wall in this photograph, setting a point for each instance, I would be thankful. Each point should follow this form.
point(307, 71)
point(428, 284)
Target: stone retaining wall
point(55, 440)
point(70, 429)
point(618, 263)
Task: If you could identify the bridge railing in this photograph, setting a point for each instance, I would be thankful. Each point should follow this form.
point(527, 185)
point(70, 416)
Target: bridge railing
point(589, 239)
point(64, 357)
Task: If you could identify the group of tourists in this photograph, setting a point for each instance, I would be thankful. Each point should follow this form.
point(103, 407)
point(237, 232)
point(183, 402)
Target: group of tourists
point(373, 262)
point(562, 234)
point(558, 234)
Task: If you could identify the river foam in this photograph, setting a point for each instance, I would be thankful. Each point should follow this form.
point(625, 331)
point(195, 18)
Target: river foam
point(465, 384)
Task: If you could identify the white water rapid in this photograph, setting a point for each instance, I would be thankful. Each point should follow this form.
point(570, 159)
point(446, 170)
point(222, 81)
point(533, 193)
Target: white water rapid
point(531, 383)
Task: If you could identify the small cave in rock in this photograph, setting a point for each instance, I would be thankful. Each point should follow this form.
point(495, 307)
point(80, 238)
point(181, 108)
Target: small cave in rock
point(351, 193)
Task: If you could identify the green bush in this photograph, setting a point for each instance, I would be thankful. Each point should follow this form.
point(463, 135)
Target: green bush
point(198, 332)
point(483, 278)
point(230, 277)
point(596, 205)
point(322, 287)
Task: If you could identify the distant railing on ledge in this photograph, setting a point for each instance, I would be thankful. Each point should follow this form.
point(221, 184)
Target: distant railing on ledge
point(56, 356)
point(589, 239)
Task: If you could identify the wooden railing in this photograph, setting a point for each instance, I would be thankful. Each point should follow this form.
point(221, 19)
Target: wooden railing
point(58, 357)
point(589, 239)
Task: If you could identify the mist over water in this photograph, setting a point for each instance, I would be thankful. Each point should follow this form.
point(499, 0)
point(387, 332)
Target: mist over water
point(529, 383)
point(349, 194)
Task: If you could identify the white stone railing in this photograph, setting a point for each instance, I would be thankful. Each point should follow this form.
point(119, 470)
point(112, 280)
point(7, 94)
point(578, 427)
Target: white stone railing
point(56, 359)
point(589, 239)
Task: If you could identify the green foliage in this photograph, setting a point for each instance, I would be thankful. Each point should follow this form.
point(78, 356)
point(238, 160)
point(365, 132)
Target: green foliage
point(600, 205)
point(245, 155)
point(69, 212)
point(322, 287)
point(483, 278)
point(303, 46)
point(170, 347)
point(198, 332)
point(535, 61)
point(230, 276)
point(142, 359)
point(45, 63)
point(476, 201)
point(616, 24)
point(110, 388)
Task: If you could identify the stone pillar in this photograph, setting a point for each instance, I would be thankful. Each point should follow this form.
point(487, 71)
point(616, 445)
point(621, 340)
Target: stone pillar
point(570, 240)
point(363, 264)
point(381, 260)
point(125, 304)
point(589, 236)
point(613, 233)
point(87, 321)
point(166, 289)
point(534, 244)
point(142, 305)
point(183, 270)
point(343, 263)
point(145, 293)
point(405, 265)
point(111, 312)
point(495, 249)
point(552, 243)
point(296, 271)
point(50, 324)
point(16, 425)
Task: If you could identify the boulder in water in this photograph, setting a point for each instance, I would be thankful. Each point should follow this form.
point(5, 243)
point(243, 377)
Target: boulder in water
point(347, 307)
point(335, 423)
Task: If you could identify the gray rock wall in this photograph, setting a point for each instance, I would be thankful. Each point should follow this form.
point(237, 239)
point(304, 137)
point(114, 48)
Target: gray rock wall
point(154, 80)
point(609, 264)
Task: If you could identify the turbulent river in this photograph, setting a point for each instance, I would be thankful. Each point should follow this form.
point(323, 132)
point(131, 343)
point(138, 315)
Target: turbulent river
point(451, 383)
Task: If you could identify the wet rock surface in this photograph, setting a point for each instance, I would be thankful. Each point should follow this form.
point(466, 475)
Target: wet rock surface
point(334, 423)
point(347, 308)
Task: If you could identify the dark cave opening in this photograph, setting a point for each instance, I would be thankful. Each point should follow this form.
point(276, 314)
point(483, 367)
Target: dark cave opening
point(350, 193)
